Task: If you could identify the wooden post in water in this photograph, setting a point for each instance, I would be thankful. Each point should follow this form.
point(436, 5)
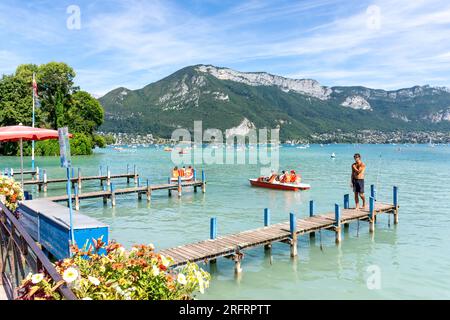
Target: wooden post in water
point(168, 190)
point(346, 206)
point(266, 224)
point(237, 264)
point(45, 180)
point(293, 231)
point(371, 214)
point(100, 175)
point(105, 198)
point(37, 176)
point(11, 172)
point(77, 198)
point(79, 179)
point(138, 185)
point(113, 195)
point(203, 181)
point(346, 201)
point(195, 179)
point(395, 196)
point(311, 214)
point(373, 192)
point(135, 175)
point(128, 172)
point(39, 185)
point(108, 176)
point(213, 233)
point(179, 187)
point(337, 224)
point(149, 192)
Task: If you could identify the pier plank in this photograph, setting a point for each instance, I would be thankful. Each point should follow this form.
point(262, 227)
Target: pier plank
point(225, 245)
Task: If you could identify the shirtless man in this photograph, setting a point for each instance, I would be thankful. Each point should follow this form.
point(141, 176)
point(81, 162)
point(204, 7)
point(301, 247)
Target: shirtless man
point(358, 169)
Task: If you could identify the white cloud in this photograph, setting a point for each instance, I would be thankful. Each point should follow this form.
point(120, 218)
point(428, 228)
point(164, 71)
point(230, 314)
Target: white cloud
point(132, 43)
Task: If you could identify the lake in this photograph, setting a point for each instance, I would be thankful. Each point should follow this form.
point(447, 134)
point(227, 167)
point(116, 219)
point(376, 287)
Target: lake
point(411, 260)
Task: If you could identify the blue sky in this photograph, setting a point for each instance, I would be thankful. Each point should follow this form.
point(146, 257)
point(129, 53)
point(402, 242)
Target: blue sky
point(130, 43)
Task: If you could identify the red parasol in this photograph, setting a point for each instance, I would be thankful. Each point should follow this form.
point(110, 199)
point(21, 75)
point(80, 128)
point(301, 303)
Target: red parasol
point(20, 133)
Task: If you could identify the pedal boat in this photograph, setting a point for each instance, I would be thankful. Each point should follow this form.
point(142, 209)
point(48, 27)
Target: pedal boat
point(280, 186)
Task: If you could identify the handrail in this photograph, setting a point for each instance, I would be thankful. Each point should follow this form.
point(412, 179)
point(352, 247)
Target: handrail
point(17, 238)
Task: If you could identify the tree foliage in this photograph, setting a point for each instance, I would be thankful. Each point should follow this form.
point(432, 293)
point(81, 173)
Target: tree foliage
point(61, 104)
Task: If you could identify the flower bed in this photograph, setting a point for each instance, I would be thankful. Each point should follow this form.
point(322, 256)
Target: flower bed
point(10, 192)
point(137, 274)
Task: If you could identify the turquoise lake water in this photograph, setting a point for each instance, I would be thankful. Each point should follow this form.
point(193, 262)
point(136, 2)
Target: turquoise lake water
point(412, 258)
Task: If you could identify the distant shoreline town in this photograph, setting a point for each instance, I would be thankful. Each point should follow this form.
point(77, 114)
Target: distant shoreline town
point(364, 136)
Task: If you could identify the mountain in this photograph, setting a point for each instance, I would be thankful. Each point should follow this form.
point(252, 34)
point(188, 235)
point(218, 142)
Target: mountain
point(227, 99)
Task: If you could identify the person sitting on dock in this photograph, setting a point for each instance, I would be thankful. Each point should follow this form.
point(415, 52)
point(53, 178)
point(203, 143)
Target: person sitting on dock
point(358, 169)
point(175, 172)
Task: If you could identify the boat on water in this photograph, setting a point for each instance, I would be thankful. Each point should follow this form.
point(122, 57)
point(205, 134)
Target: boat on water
point(168, 149)
point(279, 185)
point(333, 156)
point(189, 178)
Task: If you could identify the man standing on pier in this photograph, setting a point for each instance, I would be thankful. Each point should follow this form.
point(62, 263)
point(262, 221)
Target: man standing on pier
point(358, 169)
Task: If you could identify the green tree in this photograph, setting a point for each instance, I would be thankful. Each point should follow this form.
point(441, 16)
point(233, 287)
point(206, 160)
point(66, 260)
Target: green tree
point(85, 113)
point(55, 86)
point(62, 104)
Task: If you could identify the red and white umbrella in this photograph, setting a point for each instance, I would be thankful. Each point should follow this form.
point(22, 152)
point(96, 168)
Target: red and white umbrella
point(21, 133)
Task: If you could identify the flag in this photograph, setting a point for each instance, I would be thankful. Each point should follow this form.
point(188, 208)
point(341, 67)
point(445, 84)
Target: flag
point(37, 102)
point(35, 93)
point(35, 86)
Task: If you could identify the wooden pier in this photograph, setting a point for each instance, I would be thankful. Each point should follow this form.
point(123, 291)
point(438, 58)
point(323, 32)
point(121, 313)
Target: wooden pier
point(112, 193)
point(10, 172)
point(78, 179)
point(230, 246)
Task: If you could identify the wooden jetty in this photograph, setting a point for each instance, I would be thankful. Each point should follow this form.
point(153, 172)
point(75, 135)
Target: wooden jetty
point(230, 246)
point(43, 184)
point(11, 172)
point(140, 190)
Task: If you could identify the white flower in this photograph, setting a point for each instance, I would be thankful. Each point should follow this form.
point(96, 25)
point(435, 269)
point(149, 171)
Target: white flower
point(86, 298)
point(121, 250)
point(165, 261)
point(70, 275)
point(181, 279)
point(36, 278)
point(151, 246)
point(116, 287)
point(155, 271)
point(201, 285)
point(94, 280)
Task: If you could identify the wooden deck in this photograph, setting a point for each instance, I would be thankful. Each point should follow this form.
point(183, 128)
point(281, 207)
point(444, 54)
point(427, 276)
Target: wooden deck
point(76, 179)
point(17, 172)
point(230, 245)
point(139, 190)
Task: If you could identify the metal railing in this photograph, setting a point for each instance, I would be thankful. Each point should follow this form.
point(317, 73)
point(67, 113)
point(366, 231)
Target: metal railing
point(19, 255)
